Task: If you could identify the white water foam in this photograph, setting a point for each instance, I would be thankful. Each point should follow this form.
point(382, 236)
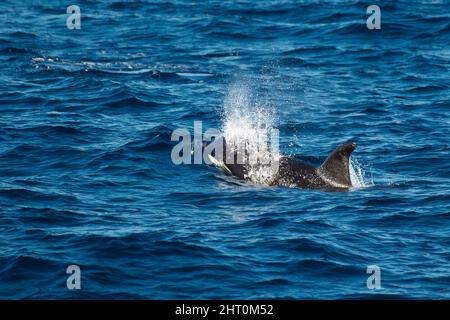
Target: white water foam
point(251, 125)
point(358, 175)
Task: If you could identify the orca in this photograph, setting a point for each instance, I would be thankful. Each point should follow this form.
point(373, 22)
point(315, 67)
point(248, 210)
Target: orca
point(334, 173)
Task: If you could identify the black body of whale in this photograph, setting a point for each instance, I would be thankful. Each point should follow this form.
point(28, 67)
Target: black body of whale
point(334, 173)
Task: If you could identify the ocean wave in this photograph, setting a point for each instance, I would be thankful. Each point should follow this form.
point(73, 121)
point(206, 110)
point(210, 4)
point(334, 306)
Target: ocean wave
point(85, 139)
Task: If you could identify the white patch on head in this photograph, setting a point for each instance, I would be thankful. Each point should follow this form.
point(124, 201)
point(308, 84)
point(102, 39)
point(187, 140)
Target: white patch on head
point(219, 164)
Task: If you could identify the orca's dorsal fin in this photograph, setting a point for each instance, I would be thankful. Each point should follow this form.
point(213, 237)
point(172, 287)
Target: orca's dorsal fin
point(336, 167)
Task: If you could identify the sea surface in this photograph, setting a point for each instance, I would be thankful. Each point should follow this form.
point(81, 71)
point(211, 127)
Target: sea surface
point(86, 176)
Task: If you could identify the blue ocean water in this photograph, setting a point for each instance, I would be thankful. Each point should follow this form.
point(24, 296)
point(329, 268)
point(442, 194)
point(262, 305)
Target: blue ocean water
point(86, 176)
